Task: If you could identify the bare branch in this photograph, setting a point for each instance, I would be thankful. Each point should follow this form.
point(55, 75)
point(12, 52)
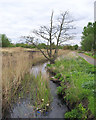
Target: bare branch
point(55, 32)
point(41, 34)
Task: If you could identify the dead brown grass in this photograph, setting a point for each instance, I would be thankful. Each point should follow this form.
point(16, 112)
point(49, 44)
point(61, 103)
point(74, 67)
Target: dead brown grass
point(16, 62)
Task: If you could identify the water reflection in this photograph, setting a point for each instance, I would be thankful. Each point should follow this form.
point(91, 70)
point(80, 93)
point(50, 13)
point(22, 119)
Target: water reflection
point(24, 108)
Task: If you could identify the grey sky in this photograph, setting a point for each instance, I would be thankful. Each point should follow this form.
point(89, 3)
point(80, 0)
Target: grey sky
point(19, 17)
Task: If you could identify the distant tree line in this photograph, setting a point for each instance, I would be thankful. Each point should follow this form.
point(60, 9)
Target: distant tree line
point(44, 46)
point(88, 42)
point(70, 47)
point(6, 42)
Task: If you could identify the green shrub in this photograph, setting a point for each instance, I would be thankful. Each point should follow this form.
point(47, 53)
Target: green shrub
point(58, 75)
point(60, 90)
point(11, 45)
point(75, 47)
point(80, 113)
point(42, 46)
point(61, 78)
point(48, 65)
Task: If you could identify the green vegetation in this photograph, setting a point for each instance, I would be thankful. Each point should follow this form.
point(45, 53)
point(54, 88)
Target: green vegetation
point(58, 75)
point(79, 112)
point(5, 41)
point(24, 45)
point(42, 46)
point(77, 85)
point(37, 89)
point(80, 51)
point(88, 40)
point(70, 47)
point(90, 54)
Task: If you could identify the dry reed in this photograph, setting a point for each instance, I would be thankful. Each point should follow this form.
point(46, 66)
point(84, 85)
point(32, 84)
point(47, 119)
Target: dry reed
point(15, 64)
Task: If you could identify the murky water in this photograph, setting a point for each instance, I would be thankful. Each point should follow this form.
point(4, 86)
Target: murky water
point(24, 108)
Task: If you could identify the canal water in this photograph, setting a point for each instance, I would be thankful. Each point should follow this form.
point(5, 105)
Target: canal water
point(24, 108)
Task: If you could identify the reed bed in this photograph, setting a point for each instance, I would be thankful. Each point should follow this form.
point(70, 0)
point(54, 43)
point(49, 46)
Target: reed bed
point(37, 90)
point(16, 62)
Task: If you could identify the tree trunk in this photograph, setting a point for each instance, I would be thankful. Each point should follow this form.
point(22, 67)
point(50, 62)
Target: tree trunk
point(52, 61)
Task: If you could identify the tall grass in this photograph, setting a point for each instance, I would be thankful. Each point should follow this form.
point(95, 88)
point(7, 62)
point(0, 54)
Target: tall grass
point(16, 62)
point(0, 84)
point(37, 89)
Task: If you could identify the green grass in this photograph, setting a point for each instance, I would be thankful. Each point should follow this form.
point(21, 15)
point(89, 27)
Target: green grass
point(90, 54)
point(79, 112)
point(77, 81)
point(37, 90)
point(80, 51)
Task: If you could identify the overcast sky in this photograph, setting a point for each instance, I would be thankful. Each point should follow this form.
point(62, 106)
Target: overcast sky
point(19, 17)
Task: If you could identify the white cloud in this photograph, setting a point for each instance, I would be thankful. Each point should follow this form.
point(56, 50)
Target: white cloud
point(19, 17)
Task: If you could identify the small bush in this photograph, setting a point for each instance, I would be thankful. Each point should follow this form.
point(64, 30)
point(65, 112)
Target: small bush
point(61, 78)
point(58, 75)
point(80, 113)
point(75, 47)
point(48, 65)
point(60, 90)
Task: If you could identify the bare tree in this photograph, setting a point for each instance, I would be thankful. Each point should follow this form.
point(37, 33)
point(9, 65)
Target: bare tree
point(55, 32)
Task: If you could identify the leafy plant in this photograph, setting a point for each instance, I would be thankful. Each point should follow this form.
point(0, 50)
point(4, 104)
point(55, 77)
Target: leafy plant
point(60, 90)
point(61, 78)
point(80, 113)
point(48, 65)
point(58, 75)
point(78, 82)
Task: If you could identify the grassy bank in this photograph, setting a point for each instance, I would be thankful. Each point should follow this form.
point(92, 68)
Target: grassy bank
point(76, 77)
point(90, 54)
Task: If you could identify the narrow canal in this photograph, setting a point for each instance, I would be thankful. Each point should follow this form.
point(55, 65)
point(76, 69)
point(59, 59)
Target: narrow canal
point(24, 108)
